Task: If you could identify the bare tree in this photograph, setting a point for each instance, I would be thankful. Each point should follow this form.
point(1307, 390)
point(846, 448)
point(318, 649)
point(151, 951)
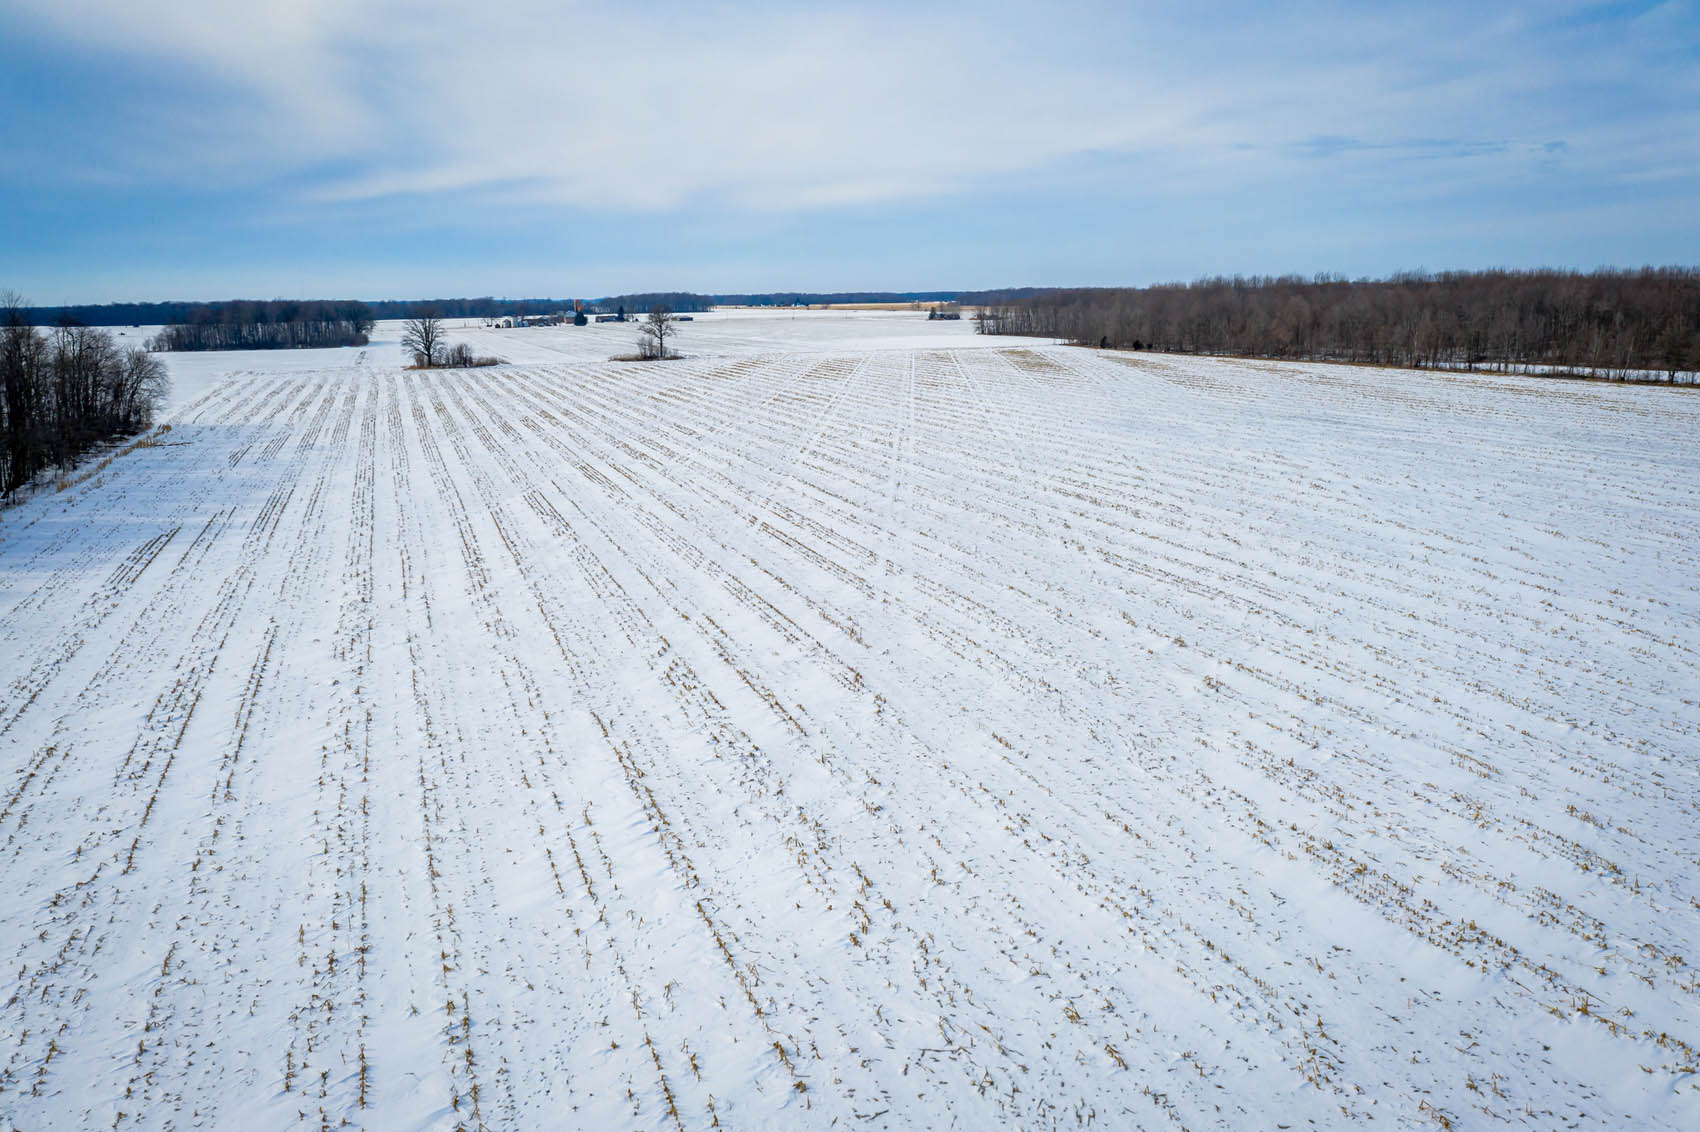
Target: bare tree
point(422, 336)
point(23, 392)
point(653, 334)
point(138, 387)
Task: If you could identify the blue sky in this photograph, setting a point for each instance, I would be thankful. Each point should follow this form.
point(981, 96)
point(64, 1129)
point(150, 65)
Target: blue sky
point(340, 147)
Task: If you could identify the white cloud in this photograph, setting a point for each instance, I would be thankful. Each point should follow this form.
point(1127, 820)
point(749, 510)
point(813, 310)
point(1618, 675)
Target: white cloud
point(663, 106)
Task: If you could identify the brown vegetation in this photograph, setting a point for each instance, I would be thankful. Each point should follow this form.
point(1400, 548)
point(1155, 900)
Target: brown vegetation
point(1604, 323)
point(460, 356)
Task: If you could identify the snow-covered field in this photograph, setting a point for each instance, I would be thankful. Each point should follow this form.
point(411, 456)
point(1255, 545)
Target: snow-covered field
point(858, 724)
point(733, 332)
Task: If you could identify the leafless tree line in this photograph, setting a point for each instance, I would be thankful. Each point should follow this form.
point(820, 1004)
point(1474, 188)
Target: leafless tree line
point(277, 325)
point(1614, 323)
point(66, 390)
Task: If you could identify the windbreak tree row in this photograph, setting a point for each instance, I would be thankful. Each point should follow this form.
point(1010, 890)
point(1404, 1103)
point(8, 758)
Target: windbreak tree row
point(66, 390)
point(483, 307)
point(1611, 322)
point(278, 325)
point(642, 301)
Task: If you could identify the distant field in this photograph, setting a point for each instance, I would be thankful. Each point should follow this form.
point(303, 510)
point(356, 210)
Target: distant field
point(856, 724)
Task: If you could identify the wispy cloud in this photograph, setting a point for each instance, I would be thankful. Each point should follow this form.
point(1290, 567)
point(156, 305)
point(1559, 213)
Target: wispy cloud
point(1333, 145)
point(777, 105)
point(759, 104)
point(710, 114)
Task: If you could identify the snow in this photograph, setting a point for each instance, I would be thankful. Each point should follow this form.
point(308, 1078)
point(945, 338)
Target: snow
point(718, 333)
point(857, 723)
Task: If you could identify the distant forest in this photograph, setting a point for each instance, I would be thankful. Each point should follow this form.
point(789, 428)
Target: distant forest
point(483, 307)
point(1613, 323)
point(277, 325)
point(680, 302)
point(184, 313)
point(179, 312)
point(809, 298)
point(687, 301)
